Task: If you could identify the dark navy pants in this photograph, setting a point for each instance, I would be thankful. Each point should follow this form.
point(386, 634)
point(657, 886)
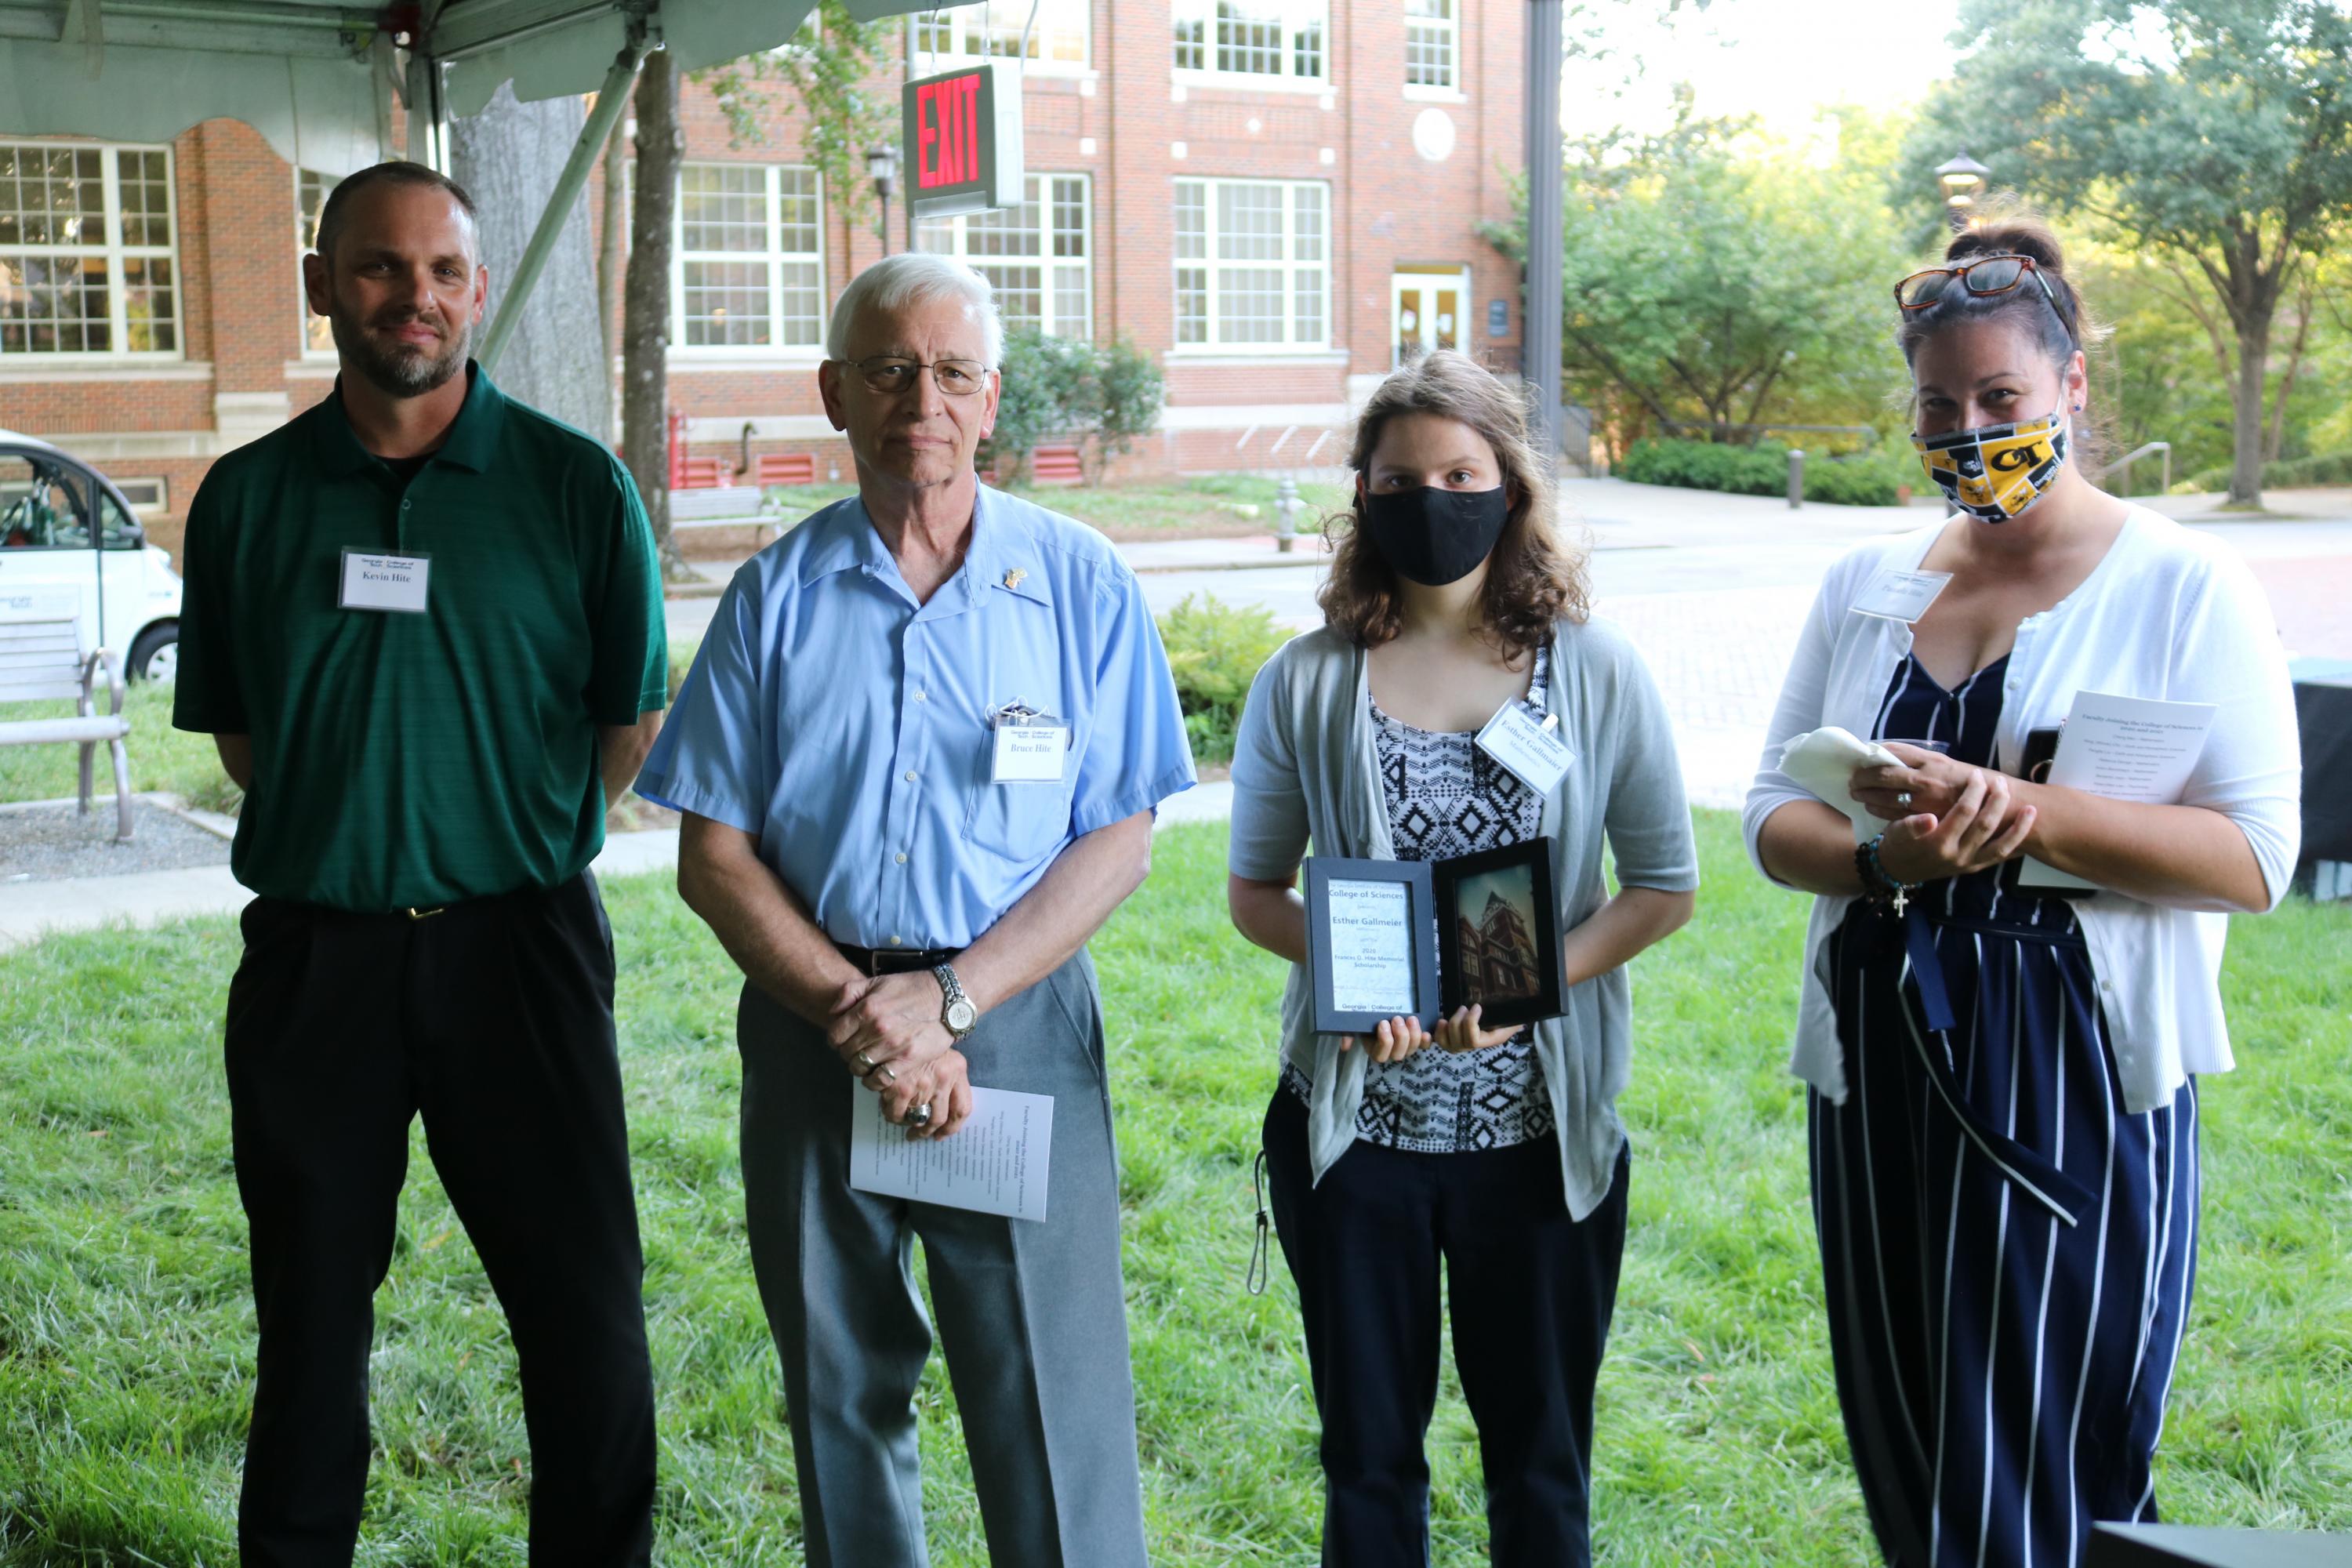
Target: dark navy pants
point(1531, 1292)
point(2008, 1252)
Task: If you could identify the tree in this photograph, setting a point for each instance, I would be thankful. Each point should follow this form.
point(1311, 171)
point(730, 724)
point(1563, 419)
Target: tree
point(507, 157)
point(644, 300)
point(2213, 134)
point(1715, 280)
point(831, 67)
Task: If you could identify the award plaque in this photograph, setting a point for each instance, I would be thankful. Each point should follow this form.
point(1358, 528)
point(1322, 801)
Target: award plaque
point(1372, 943)
point(1418, 938)
point(1499, 939)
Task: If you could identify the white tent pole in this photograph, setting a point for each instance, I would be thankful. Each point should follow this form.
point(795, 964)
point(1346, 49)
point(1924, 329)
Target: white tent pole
point(610, 100)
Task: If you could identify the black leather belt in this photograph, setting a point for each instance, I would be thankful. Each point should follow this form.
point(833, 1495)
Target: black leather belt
point(895, 960)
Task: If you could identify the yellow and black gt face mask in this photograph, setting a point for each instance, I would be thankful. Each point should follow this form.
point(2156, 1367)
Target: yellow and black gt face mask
point(1995, 471)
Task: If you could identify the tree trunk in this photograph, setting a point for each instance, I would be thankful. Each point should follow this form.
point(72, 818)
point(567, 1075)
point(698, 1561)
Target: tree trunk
point(509, 157)
point(644, 305)
point(609, 256)
point(2253, 367)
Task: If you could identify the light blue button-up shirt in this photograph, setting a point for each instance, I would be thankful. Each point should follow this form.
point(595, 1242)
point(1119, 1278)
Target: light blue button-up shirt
point(847, 726)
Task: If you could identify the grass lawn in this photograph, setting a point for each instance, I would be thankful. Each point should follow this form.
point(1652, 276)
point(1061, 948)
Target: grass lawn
point(126, 1344)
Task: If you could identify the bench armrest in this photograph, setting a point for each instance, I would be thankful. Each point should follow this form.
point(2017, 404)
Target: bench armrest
point(115, 691)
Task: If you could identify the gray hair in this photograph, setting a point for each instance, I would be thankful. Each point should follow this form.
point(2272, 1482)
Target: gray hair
point(897, 281)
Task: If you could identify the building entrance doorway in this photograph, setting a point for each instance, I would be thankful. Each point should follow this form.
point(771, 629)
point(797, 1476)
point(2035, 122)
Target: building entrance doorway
point(1429, 308)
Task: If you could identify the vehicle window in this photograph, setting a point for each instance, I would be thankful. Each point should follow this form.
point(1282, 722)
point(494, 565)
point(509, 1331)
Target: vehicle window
point(43, 505)
point(121, 530)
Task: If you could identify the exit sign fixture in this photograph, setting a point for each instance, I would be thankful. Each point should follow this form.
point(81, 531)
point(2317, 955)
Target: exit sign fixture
point(962, 131)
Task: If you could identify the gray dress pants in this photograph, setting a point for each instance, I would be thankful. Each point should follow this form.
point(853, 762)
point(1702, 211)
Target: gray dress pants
point(1031, 1313)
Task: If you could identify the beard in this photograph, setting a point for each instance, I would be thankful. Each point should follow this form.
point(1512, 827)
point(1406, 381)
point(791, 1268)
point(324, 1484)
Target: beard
point(398, 369)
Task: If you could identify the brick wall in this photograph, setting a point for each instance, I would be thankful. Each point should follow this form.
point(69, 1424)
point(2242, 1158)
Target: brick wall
point(1121, 122)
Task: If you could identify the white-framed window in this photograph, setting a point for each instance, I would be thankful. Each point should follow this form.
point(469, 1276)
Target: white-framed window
point(1253, 264)
point(1433, 31)
point(1061, 38)
point(310, 190)
point(1039, 255)
point(89, 251)
point(749, 268)
point(1254, 40)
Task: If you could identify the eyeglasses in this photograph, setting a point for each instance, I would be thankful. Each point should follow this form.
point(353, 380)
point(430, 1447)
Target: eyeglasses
point(1981, 275)
point(895, 373)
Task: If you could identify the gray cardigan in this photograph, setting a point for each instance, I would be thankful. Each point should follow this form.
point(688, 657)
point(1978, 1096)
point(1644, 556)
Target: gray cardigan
point(1304, 770)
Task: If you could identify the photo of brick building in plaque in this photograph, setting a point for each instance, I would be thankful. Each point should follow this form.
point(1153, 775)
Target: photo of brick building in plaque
point(1276, 200)
point(1495, 936)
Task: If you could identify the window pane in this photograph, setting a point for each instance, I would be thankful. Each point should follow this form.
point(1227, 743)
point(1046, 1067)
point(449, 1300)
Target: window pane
point(1306, 51)
point(1073, 312)
point(1249, 37)
point(54, 304)
point(1192, 304)
point(936, 234)
point(53, 195)
point(149, 312)
point(1192, 219)
point(797, 216)
point(1191, 46)
point(1429, 43)
point(1307, 223)
point(1019, 292)
point(1307, 303)
point(1250, 304)
point(310, 191)
point(727, 303)
point(146, 198)
point(803, 323)
point(1008, 231)
point(723, 208)
point(1249, 222)
point(1069, 217)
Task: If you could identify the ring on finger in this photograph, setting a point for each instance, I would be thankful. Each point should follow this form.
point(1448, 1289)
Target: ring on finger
point(866, 1064)
point(1902, 797)
point(885, 1074)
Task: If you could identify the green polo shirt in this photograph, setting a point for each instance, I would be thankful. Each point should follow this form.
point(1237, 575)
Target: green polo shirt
point(403, 759)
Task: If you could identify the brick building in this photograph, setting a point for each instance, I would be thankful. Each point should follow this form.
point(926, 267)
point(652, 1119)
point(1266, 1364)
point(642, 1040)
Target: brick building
point(1274, 197)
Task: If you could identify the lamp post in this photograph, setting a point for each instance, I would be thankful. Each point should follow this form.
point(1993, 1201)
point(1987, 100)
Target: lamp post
point(1959, 180)
point(882, 168)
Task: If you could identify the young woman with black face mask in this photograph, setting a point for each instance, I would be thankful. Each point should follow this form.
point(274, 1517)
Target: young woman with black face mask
point(2003, 1090)
point(1497, 1155)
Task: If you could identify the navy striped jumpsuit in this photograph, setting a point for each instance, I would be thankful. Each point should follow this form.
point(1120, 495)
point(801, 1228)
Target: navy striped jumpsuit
point(2008, 1255)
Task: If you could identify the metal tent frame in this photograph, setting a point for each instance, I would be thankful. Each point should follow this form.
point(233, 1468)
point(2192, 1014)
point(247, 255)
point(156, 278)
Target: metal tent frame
point(318, 78)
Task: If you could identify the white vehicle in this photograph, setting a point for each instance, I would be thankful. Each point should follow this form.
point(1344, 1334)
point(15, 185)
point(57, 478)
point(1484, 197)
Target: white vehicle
point(129, 596)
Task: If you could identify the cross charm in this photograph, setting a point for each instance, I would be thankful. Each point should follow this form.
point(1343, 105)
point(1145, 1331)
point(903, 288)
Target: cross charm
point(1902, 901)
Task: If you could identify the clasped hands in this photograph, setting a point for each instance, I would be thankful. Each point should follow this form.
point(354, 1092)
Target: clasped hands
point(1396, 1038)
point(1943, 818)
point(888, 1033)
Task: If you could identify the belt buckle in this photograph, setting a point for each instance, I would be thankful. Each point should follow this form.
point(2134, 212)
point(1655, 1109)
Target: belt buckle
point(413, 913)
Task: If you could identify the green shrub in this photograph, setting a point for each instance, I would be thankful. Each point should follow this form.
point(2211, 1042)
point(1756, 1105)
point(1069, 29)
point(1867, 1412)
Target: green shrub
point(1103, 396)
point(1215, 649)
point(2293, 473)
point(1865, 479)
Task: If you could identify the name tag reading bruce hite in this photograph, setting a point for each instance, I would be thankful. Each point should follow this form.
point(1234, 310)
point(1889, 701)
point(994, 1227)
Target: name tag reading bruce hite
point(375, 581)
point(1031, 747)
point(1530, 749)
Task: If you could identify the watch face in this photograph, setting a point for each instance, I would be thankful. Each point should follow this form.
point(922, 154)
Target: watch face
point(961, 1015)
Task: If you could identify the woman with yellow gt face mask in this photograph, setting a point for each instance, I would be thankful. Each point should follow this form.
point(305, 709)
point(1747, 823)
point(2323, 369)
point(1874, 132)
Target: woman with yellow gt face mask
point(2002, 1077)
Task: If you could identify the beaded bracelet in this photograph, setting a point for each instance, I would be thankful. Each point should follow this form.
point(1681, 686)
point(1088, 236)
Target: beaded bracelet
point(1879, 886)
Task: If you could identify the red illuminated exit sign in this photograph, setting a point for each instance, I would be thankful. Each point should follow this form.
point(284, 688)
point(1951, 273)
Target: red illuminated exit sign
point(962, 136)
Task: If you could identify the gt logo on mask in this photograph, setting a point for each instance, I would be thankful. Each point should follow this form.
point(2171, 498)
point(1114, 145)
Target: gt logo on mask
point(1995, 471)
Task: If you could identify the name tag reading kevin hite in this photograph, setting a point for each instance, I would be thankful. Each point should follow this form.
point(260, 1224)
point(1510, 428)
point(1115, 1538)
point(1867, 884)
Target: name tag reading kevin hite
point(378, 582)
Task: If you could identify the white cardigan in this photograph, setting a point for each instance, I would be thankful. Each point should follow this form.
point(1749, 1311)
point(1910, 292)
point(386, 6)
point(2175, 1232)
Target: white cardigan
point(2169, 614)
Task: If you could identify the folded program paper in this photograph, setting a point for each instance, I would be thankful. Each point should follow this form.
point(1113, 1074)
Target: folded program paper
point(1823, 761)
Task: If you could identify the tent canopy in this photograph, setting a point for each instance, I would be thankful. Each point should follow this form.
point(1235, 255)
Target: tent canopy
point(318, 77)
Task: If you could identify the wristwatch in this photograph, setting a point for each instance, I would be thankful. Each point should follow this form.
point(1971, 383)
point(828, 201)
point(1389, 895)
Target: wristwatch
point(956, 1010)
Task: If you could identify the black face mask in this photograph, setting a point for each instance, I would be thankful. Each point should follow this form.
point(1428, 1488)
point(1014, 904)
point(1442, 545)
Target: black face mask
point(1435, 537)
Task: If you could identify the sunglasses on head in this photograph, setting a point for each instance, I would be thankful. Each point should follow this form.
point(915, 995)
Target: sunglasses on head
point(1980, 275)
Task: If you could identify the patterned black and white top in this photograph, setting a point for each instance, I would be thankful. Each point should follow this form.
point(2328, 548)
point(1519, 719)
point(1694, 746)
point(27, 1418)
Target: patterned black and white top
point(1446, 799)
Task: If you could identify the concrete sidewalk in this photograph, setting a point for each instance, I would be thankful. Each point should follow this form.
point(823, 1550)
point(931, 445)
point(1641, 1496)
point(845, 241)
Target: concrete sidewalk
point(34, 909)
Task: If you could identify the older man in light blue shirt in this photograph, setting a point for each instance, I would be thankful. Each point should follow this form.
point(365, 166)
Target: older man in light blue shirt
point(919, 754)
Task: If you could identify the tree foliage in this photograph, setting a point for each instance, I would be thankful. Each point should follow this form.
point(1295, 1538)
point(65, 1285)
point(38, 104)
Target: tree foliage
point(1103, 396)
point(2214, 135)
point(835, 68)
point(1715, 281)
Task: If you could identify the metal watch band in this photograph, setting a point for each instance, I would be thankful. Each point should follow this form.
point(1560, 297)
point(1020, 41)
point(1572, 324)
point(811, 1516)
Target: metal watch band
point(951, 992)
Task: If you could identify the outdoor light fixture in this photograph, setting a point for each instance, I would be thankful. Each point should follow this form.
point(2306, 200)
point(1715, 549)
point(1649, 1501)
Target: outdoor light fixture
point(882, 168)
point(1959, 179)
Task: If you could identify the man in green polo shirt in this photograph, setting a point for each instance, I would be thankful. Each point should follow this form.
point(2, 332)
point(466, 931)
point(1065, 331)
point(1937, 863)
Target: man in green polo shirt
point(423, 626)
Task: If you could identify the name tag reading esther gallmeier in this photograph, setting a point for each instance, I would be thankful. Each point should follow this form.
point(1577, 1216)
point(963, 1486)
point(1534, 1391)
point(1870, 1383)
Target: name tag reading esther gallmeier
point(1531, 750)
point(1031, 747)
point(372, 581)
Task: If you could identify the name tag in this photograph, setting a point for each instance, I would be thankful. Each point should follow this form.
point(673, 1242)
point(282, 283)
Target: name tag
point(1901, 595)
point(377, 582)
point(1030, 752)
point(1530, 747)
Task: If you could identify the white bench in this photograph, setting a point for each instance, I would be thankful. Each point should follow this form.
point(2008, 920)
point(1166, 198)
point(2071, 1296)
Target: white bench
point(730, 506)
point(40, 661)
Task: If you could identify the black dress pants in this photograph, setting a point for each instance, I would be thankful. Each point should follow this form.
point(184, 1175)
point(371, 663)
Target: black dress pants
point(1531, 1292)
point(494, 1019)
